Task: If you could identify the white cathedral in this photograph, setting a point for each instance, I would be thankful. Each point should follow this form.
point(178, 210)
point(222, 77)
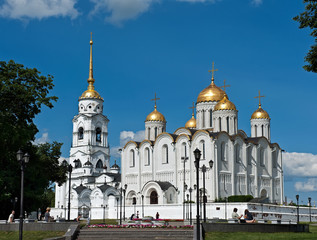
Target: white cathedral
point(159, 171)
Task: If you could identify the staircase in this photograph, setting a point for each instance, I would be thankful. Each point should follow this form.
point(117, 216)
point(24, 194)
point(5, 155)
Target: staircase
point(134, 234)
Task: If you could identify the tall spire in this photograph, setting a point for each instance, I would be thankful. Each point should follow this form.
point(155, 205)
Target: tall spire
point(91, 79)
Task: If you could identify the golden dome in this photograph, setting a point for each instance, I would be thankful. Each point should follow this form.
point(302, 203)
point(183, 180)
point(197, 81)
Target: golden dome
point(155, 116)
point(90, 92)
point(260, 114)
point(225, 104)
point(212, 93)
point(191, 123)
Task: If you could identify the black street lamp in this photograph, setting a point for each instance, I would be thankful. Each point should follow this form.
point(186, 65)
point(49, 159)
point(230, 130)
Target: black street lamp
point(197, 155)
point(117, 208)
point(184, 190)
point(190, 205)
point(121, 191)
point(124, 190)
point(142, 196)
point(309, 202)
point(70, 169)
point(297, 197)
point(23, 159)
point(187, 201)
point(204, 169)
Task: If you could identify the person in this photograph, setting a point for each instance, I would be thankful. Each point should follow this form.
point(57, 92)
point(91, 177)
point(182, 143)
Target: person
point(248, 217)
point(132, 216)
point(137, 214)
point(78, 218)
point(235, 215)
point(47, 215)
point(11, 217)
point(157, 215)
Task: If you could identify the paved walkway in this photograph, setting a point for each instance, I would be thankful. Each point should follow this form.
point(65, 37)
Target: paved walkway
point(134, 234)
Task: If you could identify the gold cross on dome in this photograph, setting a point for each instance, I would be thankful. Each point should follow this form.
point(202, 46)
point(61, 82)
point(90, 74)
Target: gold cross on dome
point(259, 97)
point(154, 99)
point(193, 107)
point(213, 70)
point(224, 85)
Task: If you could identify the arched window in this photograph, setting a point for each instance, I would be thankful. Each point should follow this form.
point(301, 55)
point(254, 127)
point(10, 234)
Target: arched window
point(223, 152)
point(210, 118)
point(155, 132)
point(99, 164)
point(153, 198)
point(219, 124)
point(262, 127)
point(132, 158)
point(237, 153)
point(134, 201)
point(146, 156)
point(148, 133)
point(77, 163)
point(262, 163)
point(202, 148)
point(165, 154)
point(227, 119)
point(98, 134)
point(80, 133)
point(184, 150)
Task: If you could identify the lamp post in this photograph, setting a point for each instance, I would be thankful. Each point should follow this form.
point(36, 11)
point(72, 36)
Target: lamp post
point(197, 155)
point(309, 201)
point(23, 159)
point(190, 205)
point(187, 201)
point(70, 169)
point(104, 209)
point(117, 208)
point(204, 169)
point(124, 190)
point(297, 197)
point(121, 191)
point(142, 196)
point(184, 160)
point(226, 200)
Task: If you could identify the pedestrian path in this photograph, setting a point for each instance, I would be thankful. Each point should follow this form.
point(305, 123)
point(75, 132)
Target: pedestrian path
point(134, 234)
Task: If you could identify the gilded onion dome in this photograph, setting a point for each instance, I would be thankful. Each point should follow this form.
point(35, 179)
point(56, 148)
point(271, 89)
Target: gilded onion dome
point(191, 123)
point(260, 113)
point(90, 92)
point(212, 93)
point(155, 116)
point(225, 104)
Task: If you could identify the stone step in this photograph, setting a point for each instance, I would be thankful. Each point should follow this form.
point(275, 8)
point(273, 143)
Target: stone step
point(133, 234)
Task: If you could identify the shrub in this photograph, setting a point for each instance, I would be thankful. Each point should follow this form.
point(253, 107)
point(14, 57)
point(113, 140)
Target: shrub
point(240, 198)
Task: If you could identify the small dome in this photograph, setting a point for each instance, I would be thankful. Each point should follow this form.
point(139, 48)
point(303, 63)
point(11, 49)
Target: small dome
point(88, 163)
point(115, 165)
point(90, 94)
point(155, 116)
point(191, 123)
point(212, 93)
point(260, 114)
point(225, 104)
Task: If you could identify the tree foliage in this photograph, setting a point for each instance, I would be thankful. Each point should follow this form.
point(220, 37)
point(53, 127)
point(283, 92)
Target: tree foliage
point(23, 93)
point(308, 19)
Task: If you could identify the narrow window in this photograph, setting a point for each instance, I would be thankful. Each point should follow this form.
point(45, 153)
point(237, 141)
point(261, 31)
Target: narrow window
point(80, 133)
point(132, 158)
point(98, 135)
point(165, 154)
point(262, 130)
point(203, 114)
point(211, 118)
point(147, 156)
point(249, 156)
point(227, 124)
point(262, 157)
point(155, 129)
point(99, 164)
point(148, 133)
point(220, 124)
point(184, 150)
point(256, 130)
point(223, 151)
point(237, 153)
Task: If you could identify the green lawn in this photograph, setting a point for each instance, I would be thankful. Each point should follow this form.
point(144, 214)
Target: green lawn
point(263, 236)
point(29, 235)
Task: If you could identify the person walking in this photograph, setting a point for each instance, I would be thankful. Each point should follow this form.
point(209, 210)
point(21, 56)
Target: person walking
point(11, 217)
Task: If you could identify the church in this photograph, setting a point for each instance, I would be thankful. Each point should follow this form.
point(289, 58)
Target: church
point(159, 172)
point(160, 169)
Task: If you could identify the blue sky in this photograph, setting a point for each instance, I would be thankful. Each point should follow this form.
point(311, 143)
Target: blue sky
point(167, 46)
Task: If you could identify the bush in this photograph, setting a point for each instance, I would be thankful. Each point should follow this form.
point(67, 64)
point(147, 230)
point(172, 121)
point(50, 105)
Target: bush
point(240, 198)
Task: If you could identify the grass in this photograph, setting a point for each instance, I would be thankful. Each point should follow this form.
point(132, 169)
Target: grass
point(30, 235)
point(263, 236)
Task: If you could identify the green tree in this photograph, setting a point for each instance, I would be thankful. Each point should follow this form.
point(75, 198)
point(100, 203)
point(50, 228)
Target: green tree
point(23, 93)
point(309, 19)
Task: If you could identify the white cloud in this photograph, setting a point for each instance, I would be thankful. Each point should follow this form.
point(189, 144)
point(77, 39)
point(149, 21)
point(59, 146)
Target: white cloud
point(256, 2)
point(126, 136)
point(300, 164)
point(43, 139)
point(28, 9)
point(309, 186)
point(121, 10)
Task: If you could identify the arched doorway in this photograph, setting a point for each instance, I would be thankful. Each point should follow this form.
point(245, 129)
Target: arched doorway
point(263, 193)
point(153, 198)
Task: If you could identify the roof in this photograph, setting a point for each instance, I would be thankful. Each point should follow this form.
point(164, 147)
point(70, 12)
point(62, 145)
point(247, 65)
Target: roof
point(80, 188)
point(116, 176)
point(104, 187)
point(164, 185)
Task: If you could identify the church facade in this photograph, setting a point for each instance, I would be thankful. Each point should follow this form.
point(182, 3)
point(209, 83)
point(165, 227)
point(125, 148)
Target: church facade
point(160, 170)
point(93, 183)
